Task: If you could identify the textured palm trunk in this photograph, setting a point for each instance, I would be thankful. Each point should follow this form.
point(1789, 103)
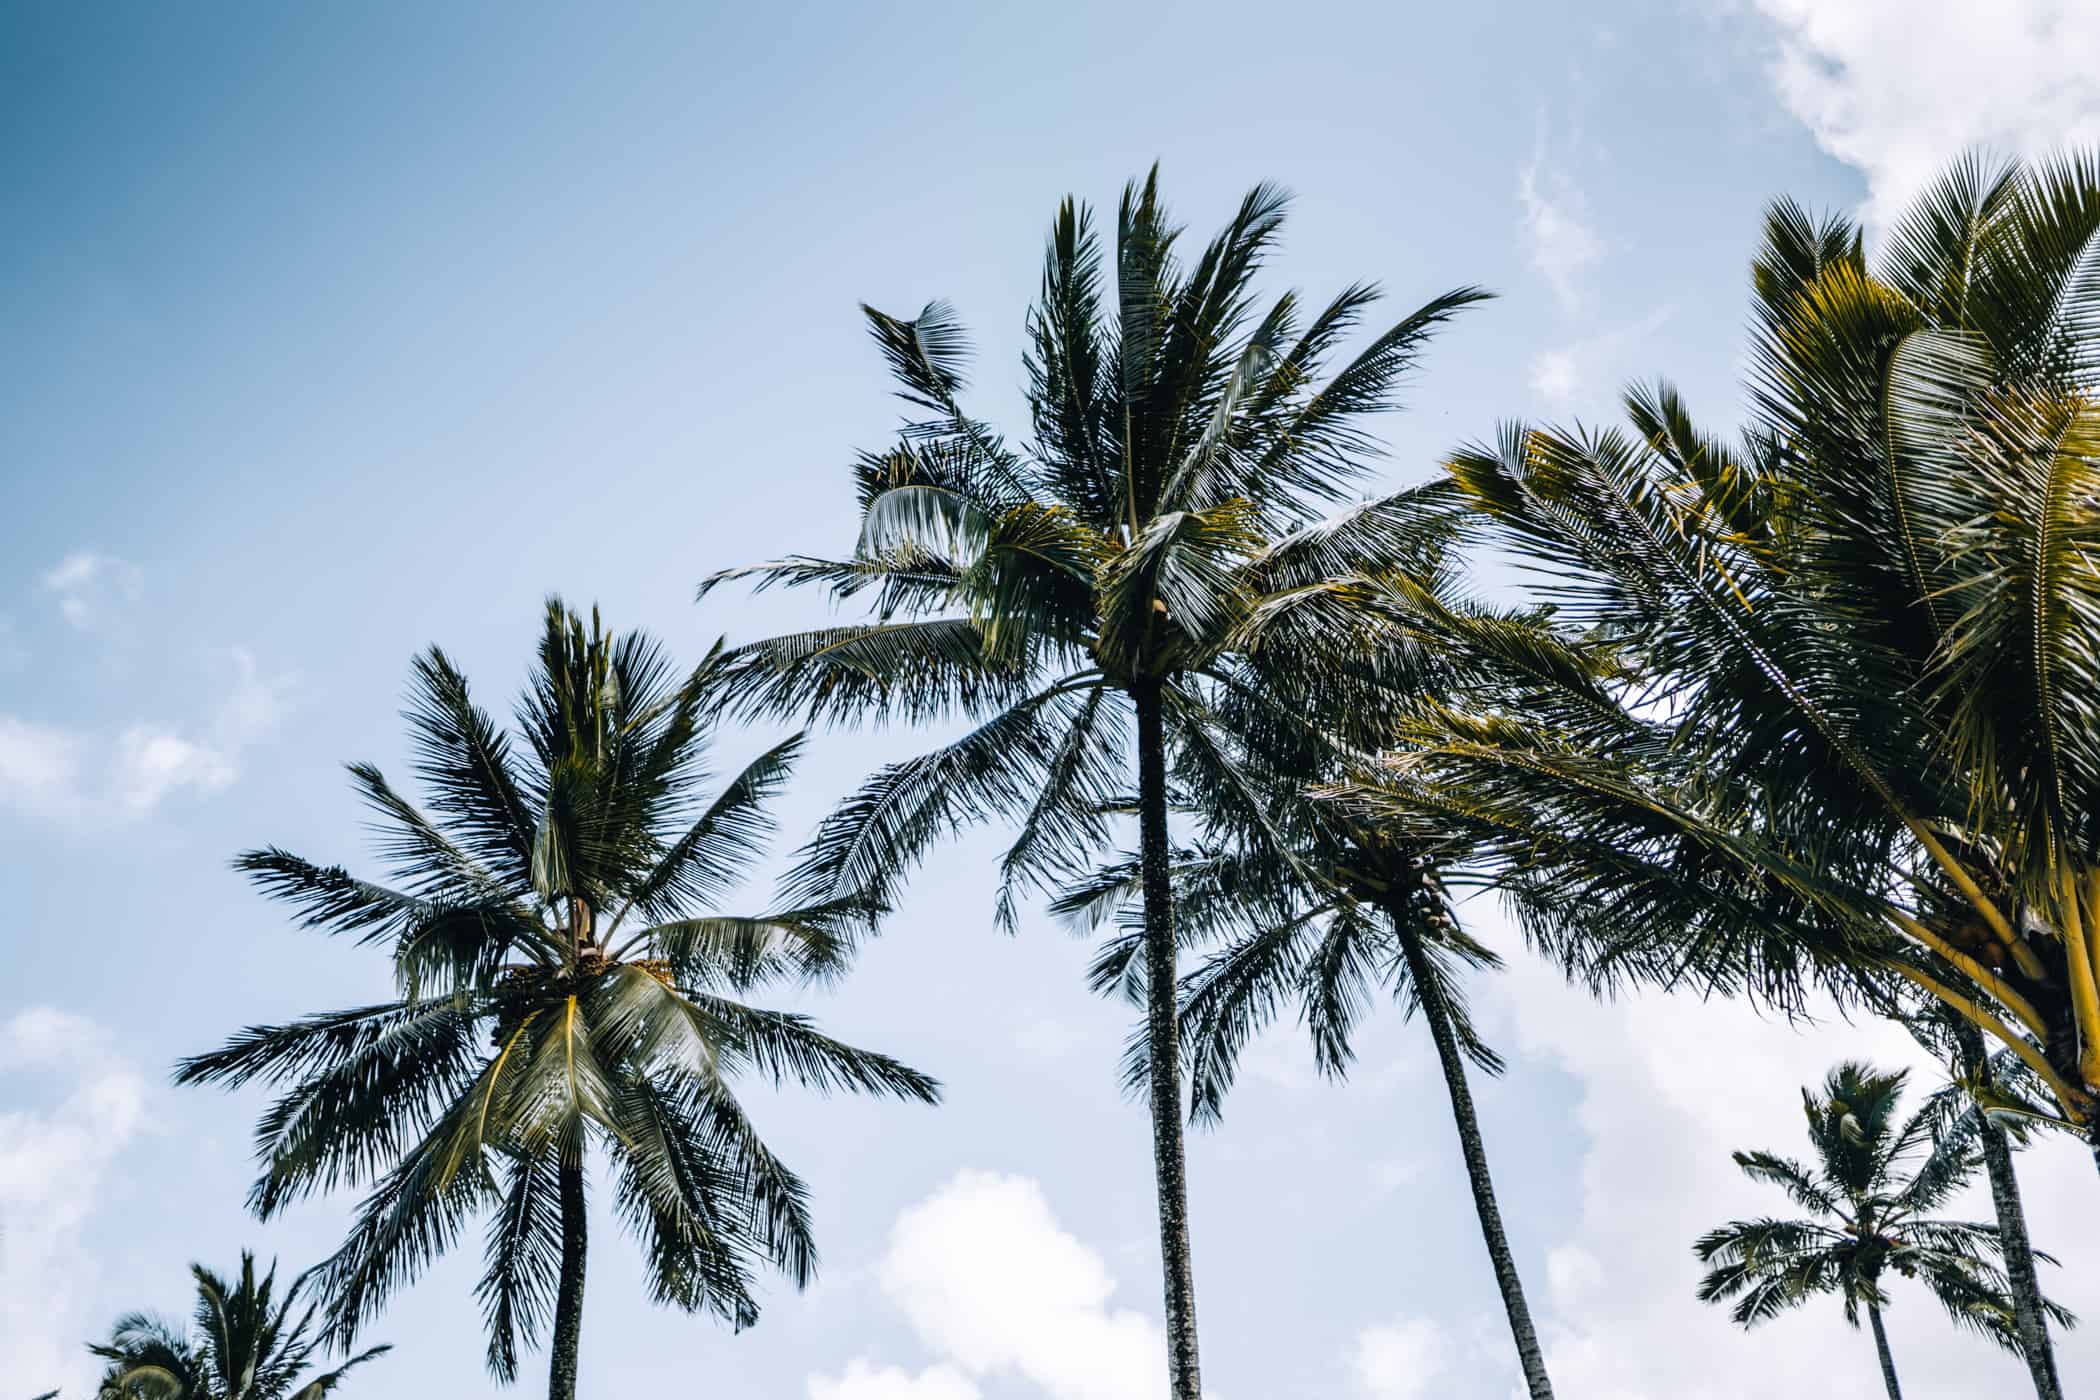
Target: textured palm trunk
point(568, 1300)
point(1438, 1014)
point(2032, 1323)
point(1881, 1348)
point(1162, 1031)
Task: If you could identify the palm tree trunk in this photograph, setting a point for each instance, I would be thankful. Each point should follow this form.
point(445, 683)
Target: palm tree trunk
point(1434, 1010)
point(568, 1300)
point(2028, 1317)
point(1162, 1030)
point(1881, 1347)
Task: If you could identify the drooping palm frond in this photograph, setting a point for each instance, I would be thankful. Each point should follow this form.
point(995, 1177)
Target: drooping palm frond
point(1856, 722)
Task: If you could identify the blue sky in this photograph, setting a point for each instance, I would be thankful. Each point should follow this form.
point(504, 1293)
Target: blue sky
point(330, 332)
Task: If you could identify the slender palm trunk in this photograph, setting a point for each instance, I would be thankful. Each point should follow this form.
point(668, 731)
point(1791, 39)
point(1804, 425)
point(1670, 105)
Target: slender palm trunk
point(1162, 1030)
point(2028, 1317)
point(568, 1300)
point(1438, 1014)
point(1881, 1348)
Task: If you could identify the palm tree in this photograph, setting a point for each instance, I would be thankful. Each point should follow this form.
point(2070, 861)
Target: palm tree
point(1079, 597)
point(561, 982)
point(1341, 908)
point(1871, 1193)
point(1366, 915)
point(244, 1343)
point(1866, 748)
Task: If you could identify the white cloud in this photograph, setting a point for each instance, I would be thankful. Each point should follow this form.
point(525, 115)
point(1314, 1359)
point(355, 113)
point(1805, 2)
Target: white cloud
point(863, 1381)
point(1568, 376)
point(251, 706)
point(62, 774)
point(995, 1287)
point(1667, 1087)
point(1399, 1360)
point(1563, 246)
point(1899, 87)
point(151, 762)
point(1556, 375)
point(39, 765)
point(53, 1161)
point(89, 587)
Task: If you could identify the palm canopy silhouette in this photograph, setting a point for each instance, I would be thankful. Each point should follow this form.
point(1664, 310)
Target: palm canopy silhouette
point(245, 1341)
point(564, 982)
point(1863, 745)
point(1872, 1193)
point(1085, 595)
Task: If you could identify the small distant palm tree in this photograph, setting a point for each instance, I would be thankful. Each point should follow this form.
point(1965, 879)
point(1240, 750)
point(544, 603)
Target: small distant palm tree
point(245, 1342)
point(1873, 1193)
point(563, 981)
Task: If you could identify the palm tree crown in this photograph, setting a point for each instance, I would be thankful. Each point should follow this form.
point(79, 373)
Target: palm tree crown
point(1863, 743)
point(1177, 443)
point(562, 982)
point(245, 1342)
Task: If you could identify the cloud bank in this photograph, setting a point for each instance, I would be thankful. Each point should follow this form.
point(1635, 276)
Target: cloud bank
point(1898, 87)
point(54, 1159)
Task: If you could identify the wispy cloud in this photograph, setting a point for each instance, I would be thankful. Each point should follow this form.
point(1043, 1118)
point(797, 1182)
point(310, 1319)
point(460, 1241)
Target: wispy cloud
point(1569, 376)
point(59, 773)
point(1402, 1360)
point(90, 588)
point(1562, 244)
point(1897, 87)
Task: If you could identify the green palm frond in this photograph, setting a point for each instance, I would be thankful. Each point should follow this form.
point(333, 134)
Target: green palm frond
point(918, 670)
point(522, 1259)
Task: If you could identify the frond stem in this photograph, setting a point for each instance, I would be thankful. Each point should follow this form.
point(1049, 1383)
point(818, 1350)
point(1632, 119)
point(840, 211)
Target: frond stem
point(2072, 1101)
point(1974, 970)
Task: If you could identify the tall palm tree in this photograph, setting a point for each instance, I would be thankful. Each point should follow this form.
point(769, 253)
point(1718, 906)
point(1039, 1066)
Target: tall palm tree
point(1867, 747)
point(1872, 1194)
point(245, 1342)
point(562, 981)
point(1079, 597)
point(1317, 908)
point(1365, 916)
